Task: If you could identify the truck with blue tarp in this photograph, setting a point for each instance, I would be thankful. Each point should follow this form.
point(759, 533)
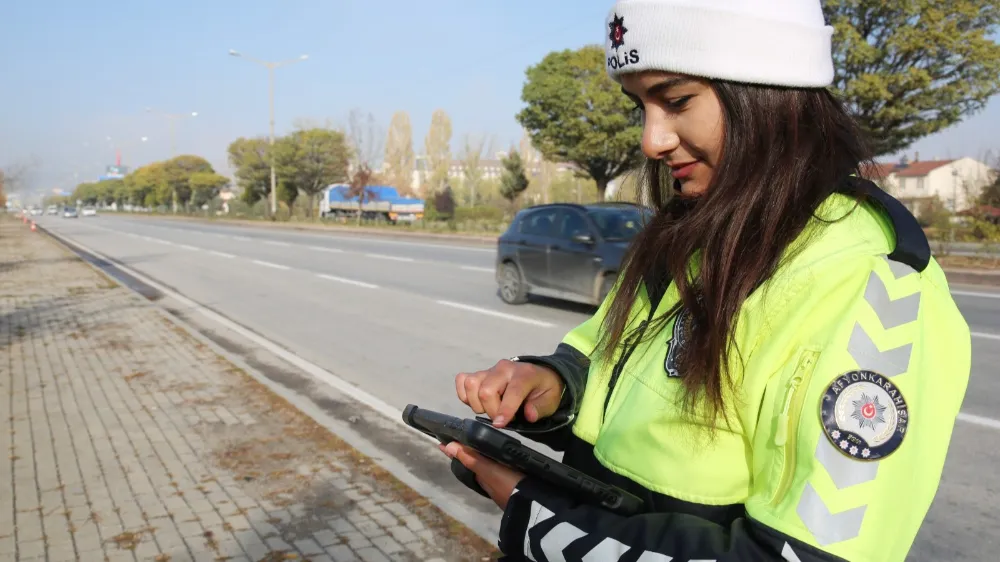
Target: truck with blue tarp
point(381, 202)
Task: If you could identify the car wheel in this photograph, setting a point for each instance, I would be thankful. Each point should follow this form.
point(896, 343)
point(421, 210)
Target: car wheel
point(607, 284)
point(513, 290)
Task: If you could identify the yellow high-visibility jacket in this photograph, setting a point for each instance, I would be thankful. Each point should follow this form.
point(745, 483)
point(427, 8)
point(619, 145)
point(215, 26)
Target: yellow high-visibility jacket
point(854, 363)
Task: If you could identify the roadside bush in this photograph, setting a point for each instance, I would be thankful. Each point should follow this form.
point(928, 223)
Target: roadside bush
point(933, 214)
point(479, 213)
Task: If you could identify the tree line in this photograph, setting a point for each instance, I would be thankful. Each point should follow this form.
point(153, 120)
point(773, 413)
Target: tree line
point(905, 70)
point(183, 182)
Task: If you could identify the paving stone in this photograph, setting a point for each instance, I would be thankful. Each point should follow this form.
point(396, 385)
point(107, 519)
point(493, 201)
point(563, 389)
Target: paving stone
point(342, 553)
point(127, 433)
point(372, 555)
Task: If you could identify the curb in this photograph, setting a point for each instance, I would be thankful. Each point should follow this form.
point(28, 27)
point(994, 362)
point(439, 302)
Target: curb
point(467, 239)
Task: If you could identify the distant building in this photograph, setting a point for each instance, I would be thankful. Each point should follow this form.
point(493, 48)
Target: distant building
point(491, 169)
point(957, 183)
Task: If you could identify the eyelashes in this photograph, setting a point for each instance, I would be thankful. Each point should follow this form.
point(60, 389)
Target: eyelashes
point(679, 103)
point(673, 105)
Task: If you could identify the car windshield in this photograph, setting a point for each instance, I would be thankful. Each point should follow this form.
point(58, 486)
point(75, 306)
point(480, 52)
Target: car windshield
point(620, 224)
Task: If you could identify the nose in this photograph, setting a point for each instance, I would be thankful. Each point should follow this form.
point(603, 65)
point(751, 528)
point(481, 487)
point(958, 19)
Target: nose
point(658, 137)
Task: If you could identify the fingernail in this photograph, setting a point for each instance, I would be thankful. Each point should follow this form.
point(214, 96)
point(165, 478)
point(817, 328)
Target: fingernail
point(499, 420)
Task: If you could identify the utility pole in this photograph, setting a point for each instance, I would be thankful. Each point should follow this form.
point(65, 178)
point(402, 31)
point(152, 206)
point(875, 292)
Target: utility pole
point(172, 119)
point(271, 66)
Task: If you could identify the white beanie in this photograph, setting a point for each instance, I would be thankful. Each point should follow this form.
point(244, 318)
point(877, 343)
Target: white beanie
point(769, 42)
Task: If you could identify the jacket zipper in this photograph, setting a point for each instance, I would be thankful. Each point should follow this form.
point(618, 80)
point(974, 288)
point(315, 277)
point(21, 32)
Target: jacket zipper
point(788, 420)
point(620, 366)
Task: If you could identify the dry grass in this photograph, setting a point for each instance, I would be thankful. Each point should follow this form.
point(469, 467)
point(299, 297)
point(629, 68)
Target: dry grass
point(970, 262)
point(271, 462)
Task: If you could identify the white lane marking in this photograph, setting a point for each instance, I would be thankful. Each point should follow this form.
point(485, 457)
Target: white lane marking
point(986, 336)
point(324, 249)
point(312, 369)
point(221, 254)
point(976, 294)
point(482, 269)
point(385, 257)
point(269, 264)
point(187, 247)
point(241, 238)
point(347, 281)
point(979, 420)
point(346, 236)
point(496, 314)
point(276, 243)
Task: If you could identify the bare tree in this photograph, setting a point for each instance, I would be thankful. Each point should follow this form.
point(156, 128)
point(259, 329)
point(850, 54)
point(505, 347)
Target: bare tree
point(437, 146)
point(366, 139)
point(473, 152)
point(17, 175)
point(400, 160)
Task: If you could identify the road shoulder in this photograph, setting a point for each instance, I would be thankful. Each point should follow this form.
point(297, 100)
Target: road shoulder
point(162, 447)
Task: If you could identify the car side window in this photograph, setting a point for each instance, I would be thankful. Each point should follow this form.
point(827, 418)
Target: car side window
point(540, 223)
point(573, 224)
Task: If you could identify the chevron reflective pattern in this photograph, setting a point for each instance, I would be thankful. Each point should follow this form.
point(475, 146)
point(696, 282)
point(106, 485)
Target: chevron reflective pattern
point(552, 545)
point(829, 527)
point(788, 554)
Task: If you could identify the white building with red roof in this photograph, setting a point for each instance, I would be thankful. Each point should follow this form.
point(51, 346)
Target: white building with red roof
point(957, 183)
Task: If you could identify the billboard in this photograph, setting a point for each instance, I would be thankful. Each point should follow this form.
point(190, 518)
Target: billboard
point(114, 172)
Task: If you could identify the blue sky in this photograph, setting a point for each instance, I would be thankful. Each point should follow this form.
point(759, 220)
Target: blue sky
point(77, 72)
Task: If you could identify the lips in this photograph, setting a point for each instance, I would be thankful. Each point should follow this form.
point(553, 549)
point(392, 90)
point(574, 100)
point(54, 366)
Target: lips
point(682, 170)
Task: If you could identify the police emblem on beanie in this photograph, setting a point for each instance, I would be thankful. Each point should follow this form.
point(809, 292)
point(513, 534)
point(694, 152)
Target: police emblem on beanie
point(768, 42)
point(617, 33)
point(864, 415)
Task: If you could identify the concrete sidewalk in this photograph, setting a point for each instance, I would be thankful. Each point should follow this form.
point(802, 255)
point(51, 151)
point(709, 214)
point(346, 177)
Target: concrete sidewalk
point(128, 439)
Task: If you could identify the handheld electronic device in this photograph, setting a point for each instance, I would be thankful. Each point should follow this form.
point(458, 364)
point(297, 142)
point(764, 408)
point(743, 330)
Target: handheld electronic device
point(509, 451)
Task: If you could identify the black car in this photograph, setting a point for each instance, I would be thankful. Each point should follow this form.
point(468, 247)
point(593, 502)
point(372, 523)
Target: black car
point(566, 251)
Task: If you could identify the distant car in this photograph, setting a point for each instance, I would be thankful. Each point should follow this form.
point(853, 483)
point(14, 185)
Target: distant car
point(52, 210)
point(89, 211)
point(69, 213)
point(566, 251)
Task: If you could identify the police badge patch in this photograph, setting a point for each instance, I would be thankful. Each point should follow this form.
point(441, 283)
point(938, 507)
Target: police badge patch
point(864, 415)
point(682, 327)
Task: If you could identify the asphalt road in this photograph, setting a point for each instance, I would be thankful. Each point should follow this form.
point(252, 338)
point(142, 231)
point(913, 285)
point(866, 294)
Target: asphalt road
point(399, 319)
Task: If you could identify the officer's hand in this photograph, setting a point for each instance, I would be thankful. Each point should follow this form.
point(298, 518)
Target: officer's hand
point(500, 391)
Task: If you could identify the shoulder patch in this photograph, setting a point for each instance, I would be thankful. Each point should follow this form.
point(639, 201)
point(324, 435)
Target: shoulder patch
point(864, 415)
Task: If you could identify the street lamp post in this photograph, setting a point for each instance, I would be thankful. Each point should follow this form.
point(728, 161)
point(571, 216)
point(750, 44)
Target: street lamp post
point(124, 146)
point(954, 201)
point(172, 119)
point(270, 66)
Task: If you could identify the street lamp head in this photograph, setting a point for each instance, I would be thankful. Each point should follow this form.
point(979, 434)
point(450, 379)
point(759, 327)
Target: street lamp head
point(234, 52)
point(304, 57)
point(194, 114)
point(144, 139)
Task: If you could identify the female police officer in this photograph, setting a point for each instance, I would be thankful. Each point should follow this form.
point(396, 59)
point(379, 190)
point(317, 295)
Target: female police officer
point(779, 368)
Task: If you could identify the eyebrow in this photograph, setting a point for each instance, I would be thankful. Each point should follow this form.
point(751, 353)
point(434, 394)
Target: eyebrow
point(662, 86)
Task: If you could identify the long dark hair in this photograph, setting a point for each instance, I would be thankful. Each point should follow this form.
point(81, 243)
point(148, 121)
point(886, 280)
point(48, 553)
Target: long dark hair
point(784, 152)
